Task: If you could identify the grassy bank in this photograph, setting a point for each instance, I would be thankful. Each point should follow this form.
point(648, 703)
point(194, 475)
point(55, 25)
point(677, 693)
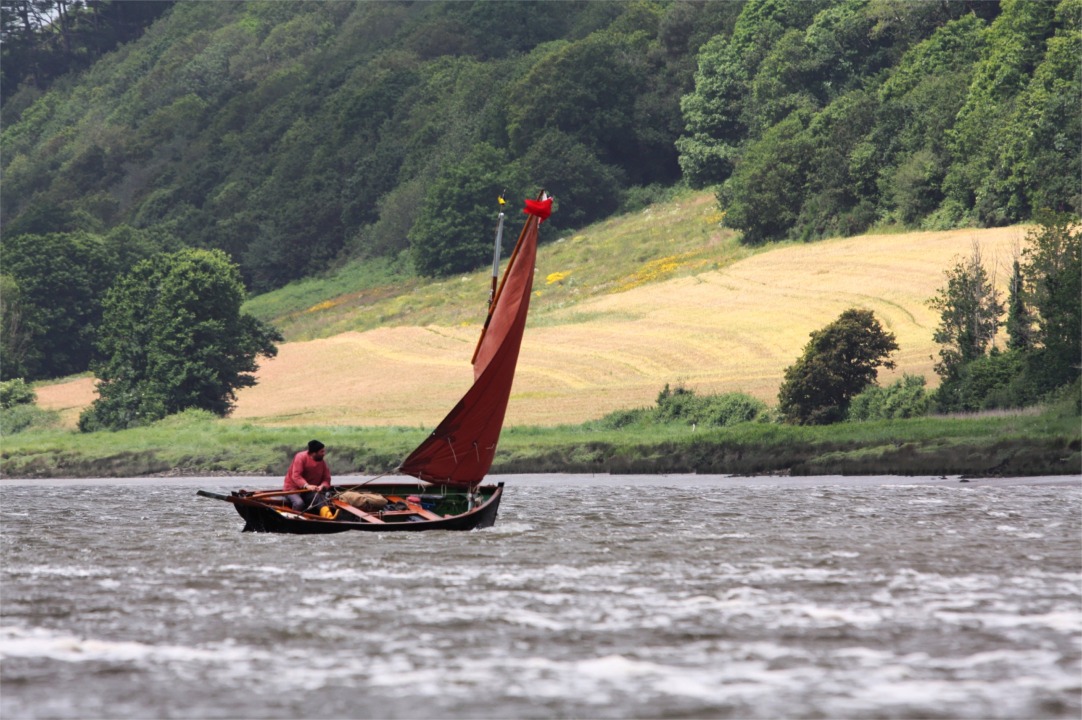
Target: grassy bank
point(194, 443)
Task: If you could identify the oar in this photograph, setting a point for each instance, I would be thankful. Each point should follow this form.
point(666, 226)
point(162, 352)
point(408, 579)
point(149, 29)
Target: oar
point(276, 493)
point(250, 496)
point(277, 508)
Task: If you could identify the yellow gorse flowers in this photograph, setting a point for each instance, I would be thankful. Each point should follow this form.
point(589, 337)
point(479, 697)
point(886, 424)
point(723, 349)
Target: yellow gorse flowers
point(325, 305)
point(656, 269)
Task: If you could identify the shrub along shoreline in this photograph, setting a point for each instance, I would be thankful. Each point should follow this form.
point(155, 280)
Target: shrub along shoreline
point(196, 443)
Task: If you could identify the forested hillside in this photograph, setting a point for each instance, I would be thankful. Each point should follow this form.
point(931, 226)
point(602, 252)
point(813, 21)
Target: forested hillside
point(299, 135)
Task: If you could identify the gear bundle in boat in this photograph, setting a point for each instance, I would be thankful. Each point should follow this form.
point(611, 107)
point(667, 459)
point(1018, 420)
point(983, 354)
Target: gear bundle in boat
point(369, 502)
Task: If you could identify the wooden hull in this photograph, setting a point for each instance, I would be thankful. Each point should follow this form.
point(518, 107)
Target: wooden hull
point(450, 511)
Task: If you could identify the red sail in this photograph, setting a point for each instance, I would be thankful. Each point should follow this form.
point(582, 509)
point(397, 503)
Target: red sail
point(460, 450)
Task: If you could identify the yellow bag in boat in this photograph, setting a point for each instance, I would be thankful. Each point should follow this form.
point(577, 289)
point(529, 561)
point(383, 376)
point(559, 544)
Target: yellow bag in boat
point(328, 513)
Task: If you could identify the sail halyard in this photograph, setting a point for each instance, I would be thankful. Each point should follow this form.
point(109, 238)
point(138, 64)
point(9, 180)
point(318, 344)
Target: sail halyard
point(461, 448)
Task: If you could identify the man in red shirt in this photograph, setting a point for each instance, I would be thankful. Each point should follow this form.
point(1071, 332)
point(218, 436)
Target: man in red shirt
point(309, 477)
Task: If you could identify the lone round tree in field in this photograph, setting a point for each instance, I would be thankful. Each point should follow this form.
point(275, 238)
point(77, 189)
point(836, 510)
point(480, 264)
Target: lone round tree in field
point(838, 362)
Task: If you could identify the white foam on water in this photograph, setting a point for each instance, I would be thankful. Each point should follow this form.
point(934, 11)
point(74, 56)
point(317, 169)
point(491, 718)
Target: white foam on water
point(1069, 621)
point(537, 620)
point(726, 676)
point(509, 528)
point(64, 571)
point(253, 569)
point(825, 615)
point(42, 643)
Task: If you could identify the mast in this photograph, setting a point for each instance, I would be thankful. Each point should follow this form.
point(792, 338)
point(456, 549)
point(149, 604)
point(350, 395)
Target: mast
point(496, 253)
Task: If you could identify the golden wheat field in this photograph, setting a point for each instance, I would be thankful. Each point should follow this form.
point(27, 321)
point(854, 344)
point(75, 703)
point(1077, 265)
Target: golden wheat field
point(730, 329)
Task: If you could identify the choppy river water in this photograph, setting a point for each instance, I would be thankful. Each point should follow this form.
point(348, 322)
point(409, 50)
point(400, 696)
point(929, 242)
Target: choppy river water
point(593, 596)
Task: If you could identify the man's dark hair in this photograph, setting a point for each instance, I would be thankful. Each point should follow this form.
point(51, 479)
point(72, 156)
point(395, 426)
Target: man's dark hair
point(315, 446)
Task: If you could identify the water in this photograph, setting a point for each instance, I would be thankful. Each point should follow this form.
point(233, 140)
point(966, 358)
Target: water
point(599, 597)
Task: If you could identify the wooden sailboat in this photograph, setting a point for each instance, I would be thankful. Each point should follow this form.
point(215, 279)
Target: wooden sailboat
point(448, 467)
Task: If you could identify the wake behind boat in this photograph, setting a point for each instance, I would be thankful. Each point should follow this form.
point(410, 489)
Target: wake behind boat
point(450, 464)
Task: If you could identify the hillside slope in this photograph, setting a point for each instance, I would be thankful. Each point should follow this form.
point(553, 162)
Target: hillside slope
point(722, 326)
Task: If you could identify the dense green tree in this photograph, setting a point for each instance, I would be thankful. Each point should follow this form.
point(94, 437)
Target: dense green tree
point(995, 380)
point(585, 189)
point(1045, 313)
point(367, 106)
point(970, 314)
point(1015, 46)
point(499, 29)
point(717, 112)
point(821, 63)
point(835, 200)
point(684, 27)
point(839, 362)
point(398, 211)
point(43, 218)
point(1053, 271)
point(907, 152)
point(455, 228)
point(785, 81)
point(61, 278)
point(709, 147)
point(1019, 317)
point(50, 300)
point(173, 337)
point(954, 81)
point(41, 40)
point(1038, 165)
point(581, 89)
point(14, 335)
point(764, 196)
